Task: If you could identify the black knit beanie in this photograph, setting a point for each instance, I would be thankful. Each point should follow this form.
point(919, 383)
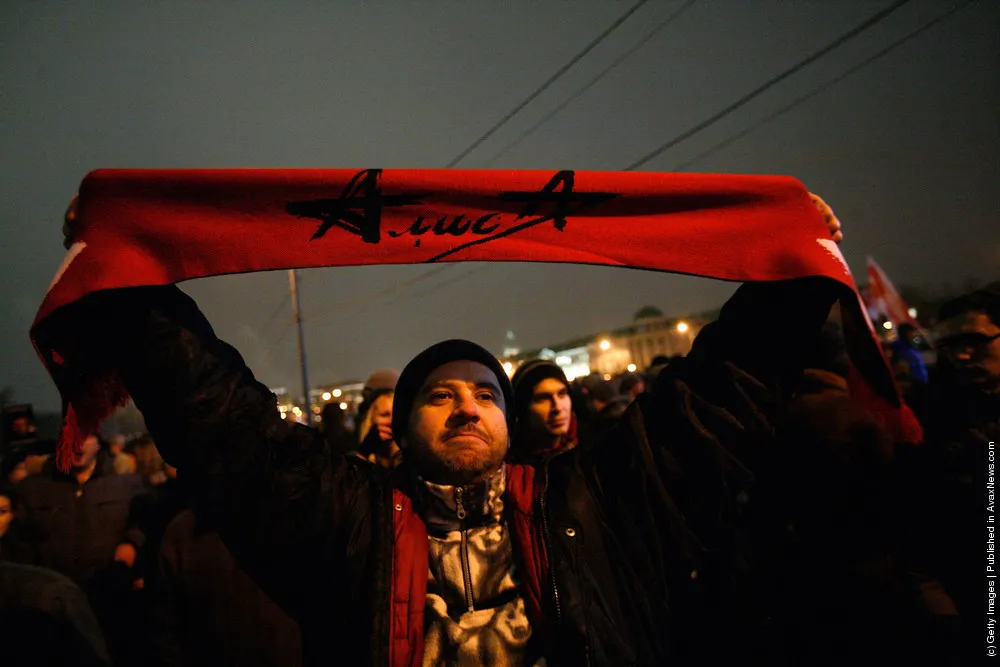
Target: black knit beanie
point(527, 377)
point(413, 376)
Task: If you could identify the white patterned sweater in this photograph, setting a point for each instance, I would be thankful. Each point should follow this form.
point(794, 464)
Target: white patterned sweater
point(475, 614)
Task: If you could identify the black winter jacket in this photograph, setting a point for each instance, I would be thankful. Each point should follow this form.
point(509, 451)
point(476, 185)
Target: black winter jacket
point(74, 529)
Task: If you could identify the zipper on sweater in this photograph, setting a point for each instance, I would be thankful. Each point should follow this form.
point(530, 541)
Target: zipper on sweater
point(548, 543)
point(466, 571)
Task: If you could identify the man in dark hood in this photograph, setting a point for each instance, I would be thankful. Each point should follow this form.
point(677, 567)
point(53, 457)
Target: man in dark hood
point(544, 412)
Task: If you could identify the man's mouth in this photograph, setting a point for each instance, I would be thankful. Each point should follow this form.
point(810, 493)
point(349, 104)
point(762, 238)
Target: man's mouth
point(466, 437)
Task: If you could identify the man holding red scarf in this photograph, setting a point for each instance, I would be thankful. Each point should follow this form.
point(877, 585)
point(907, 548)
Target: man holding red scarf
point(634, 551)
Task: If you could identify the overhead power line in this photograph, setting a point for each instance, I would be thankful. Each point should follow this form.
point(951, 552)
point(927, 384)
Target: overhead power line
point(819, 89)
point(562, 70)
point(590, 84)
point(850, 34)
point(552, 79)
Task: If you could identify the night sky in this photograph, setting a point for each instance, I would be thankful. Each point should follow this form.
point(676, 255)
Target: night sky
point(906, 149)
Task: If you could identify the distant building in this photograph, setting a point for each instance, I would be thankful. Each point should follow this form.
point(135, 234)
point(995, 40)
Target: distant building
point(629, 348)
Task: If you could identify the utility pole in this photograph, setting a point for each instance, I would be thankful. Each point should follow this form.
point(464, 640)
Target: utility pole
point(302, 344)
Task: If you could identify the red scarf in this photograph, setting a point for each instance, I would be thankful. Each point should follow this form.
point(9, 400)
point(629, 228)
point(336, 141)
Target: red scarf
point(155, 227)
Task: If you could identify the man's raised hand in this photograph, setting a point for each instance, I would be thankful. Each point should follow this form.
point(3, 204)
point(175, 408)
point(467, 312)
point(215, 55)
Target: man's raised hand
point(832, 223)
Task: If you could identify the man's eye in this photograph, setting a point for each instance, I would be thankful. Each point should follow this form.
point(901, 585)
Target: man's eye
point(486, 396)
point(440, 396)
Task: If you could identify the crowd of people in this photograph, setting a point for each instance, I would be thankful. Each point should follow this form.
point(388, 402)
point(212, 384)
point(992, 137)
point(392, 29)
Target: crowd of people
point(733, 504)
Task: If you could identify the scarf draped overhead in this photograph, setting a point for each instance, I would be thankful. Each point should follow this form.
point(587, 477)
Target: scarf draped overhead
point(156, 227)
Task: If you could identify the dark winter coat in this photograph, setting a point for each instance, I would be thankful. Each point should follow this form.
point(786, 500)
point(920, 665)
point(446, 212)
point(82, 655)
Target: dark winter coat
point(74, 529)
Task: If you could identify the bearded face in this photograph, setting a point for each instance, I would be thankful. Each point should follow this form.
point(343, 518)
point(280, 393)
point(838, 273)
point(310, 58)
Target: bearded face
point(457, 430)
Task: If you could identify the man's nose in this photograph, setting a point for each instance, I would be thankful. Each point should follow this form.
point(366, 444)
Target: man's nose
point(466, 407)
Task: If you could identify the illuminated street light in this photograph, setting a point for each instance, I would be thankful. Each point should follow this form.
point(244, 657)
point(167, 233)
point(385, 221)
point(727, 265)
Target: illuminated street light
point(682, 327)
point(343, 406)
point(605, 344)
point(337, 393)
point(297, 411)
point(607, 376)
point(887, 325)
point(326, 396)
point(912, 312)
point(631, 368)
point(508, 367)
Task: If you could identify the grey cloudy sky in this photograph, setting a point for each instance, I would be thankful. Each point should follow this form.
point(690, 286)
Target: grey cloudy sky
point(907, 149)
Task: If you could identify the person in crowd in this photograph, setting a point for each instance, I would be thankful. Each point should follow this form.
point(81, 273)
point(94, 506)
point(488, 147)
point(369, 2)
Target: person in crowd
point(20, 444)
point(339, 438)
point(910, 369)
point(116, 444)
point(19, 427)
point(149, 463)
point(657, 365)
point(375, 437)
point(906, 347)
point(946, 477)
point(628, 552)
point(543, 409)
point(13, 468)
point(630, 385)
point(384, 379)
point(29, 459)
point(607, 407)
point(660, 360)
point(124, 463)
point(38, 454)
point(82, 525)
point(77, 523)
point(116, 448)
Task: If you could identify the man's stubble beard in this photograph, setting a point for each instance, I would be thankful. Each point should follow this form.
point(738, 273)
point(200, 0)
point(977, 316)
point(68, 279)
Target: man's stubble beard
point(456, 468)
